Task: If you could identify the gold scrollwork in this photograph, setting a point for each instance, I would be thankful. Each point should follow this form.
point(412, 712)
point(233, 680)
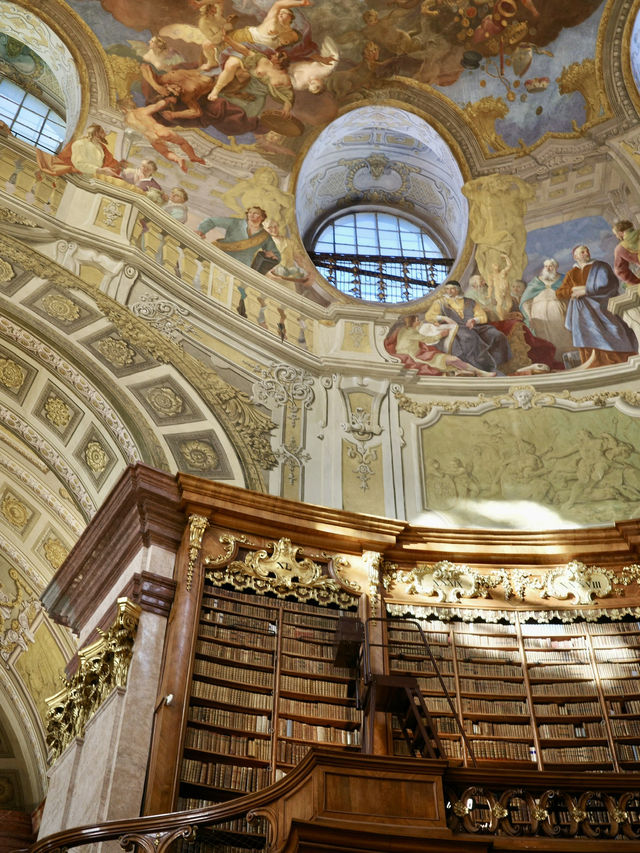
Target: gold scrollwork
point(103, 666)
point(280, 573)
point(197, 526)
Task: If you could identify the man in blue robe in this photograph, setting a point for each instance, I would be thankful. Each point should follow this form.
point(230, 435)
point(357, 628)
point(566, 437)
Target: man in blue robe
point(601, 337)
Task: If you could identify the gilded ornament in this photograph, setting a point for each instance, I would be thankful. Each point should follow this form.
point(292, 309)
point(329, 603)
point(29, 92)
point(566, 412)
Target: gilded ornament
point(199, 455)
point(197, 526)
point(460, 809)
point(6, 271)
point(578, 815)
point(55, 552)
point(15, 512)
point(165, 401)
point(95, 457)
point(57, 411)
point(117, 352)
point(539, 814)
point(60, 307)
point(103, 666)
point(280, 573)
point(11, 374)
point(13, 218)
point(499, 811)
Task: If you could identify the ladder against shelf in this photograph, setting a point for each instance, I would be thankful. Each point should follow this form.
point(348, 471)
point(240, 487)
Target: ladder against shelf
point(547, 694)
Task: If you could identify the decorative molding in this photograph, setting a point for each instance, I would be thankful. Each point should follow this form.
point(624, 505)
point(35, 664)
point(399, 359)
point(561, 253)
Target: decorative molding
point(523, 397)
point(12, 218)
point(154, 593)
point(248, 428)
point(103, 666)
point(283, 385)
point(292, 457)
point(450, 582)
point(165, 316)
point(17, 613)
point(197, 526)
point(280, 573)
point(474, 614)
point(373, 564)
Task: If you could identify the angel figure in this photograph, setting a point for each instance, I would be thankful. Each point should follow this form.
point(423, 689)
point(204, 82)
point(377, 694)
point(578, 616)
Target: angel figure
point(213, 25)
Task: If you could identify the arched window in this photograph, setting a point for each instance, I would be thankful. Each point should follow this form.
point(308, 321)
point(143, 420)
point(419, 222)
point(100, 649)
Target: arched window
point(29, 118)
point(379, 256)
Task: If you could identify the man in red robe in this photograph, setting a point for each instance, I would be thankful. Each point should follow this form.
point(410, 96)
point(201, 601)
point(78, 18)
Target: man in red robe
point(88, 155)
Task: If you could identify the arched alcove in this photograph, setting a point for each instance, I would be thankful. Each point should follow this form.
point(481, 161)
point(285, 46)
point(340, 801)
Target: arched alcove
point(383, 159)
point(28, 28)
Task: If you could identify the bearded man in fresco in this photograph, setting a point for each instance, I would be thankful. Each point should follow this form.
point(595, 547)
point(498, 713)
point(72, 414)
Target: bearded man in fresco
point(601, 337)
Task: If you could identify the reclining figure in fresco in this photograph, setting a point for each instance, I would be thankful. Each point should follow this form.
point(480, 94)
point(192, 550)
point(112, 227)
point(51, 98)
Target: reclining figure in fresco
point(471, 337)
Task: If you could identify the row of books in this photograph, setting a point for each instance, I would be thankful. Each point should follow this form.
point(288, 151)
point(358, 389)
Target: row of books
point(468, 685)
point(312, 665)
point(306, 632)
point(507, 656)
point(227, 744)
point(514, 750)
point(337, 690)
point(567, 672)
point(615, 627)
point(234, 653)
point(569, 709)
point(230, 719)
point(554, 644)
point(631, 706)
point(238, 777)
point(235, 634)
point(413, 636)
point(483, 727)
point(490, 706)
point(230, 695)
point(429, 682)
point(255, 677)
point(628, 751)
point(620, 686)
point(625, 727)
point(539, 656)
point(289, 752)
point(615, 641)
point(424, 665)
point(322, 734)
point(567, 730)
point(300, 647)
point(241, 607)
point(313, 621)
point(559, 688)
point(319, 710)
point(577, 754)
point(619, 670)
point(221, 617)
point(486, 670)
point(477, 640)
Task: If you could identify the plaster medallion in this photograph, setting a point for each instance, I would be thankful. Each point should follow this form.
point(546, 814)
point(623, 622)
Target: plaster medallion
point(199, 455)
point(95, 457)
point(57, 411)
point(11, 374)
point(118, 353)
point(60, 307)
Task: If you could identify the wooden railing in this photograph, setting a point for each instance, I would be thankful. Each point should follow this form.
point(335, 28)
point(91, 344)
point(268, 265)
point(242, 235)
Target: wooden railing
point(387, 803)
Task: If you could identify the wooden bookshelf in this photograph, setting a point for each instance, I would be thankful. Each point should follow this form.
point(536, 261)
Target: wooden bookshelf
point(540, 695)
point(263, 689)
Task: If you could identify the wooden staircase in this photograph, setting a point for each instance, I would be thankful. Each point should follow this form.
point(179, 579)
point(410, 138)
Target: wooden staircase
point(400, 695)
